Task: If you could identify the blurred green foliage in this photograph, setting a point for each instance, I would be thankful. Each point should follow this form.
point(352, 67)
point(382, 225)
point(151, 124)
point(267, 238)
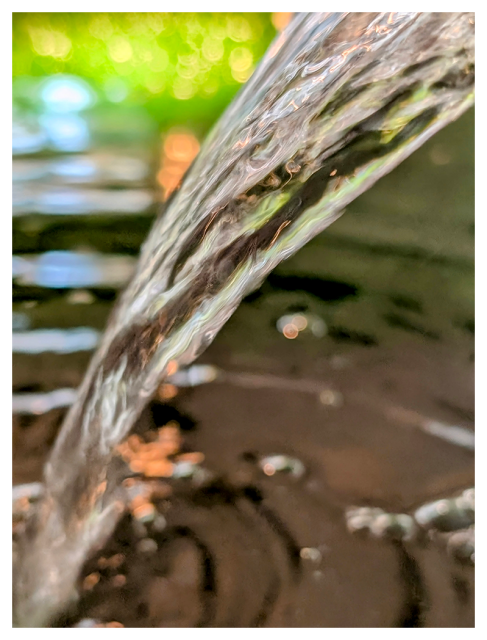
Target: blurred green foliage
point(183, 67)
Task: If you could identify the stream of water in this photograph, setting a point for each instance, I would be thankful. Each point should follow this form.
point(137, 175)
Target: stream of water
point(338, 101)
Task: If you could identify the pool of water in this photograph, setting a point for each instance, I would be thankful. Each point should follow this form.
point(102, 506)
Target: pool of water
point(353, 364)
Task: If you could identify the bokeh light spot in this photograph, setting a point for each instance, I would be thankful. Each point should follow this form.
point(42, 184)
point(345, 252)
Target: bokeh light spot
point(240, 59)
point(183, 89)
point(290, 331)
point(238, 29)
point(280, 19)
point(212, 49)
point(120, 49)
point(159, 61)
point(181, 147)
point(63, 94)
point(47, 42)
point(101, 27)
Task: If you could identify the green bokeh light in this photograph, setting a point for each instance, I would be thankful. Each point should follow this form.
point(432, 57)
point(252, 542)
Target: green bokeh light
point(181, 66)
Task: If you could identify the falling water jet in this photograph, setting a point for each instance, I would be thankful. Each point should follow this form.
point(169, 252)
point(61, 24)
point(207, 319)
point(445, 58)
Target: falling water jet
point(339, 100)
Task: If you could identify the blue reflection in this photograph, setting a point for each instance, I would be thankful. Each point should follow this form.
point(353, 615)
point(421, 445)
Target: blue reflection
point(55, 340)
point(67, 132)
point(64, 269)
point(64, 94)
point(70, 270)
point(64, 201)
point(74, 168)
point(20, 266)
point(27, 139)
point(38, 403)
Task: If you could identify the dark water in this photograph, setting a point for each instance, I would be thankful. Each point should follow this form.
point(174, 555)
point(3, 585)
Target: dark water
point(365, 397)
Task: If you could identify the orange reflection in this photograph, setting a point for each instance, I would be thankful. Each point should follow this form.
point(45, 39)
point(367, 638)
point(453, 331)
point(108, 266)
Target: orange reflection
point(167, 392)
point(151, 458)
point(179, 150)
point(91, 580)
point(290, 331)
point(280, 19)
point(181, 147)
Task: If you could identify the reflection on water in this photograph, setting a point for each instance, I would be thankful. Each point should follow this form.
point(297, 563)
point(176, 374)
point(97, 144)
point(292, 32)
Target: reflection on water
point(91, 168)
point(64, 201)
point(27, 136)
point(68, 270)
point(38, 403)
point(55, 340)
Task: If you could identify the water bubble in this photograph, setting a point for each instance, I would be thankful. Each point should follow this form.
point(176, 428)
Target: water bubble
point(359, 519)
point(310, 553)
point(393, 526)
point(469, 497)
point(445, 515)
point(381, 525)
point(407, 525)
point(290, 325)
point(282, 463)
point(461, 545)
point(442, 507)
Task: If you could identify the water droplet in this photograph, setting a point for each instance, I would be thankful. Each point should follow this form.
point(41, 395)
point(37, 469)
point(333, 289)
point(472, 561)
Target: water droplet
point(271, 464)
point(310, 553)
point(291, 325)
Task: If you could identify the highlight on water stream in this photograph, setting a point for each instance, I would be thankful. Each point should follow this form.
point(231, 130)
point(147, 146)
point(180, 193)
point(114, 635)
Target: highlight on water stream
point(243, 374)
